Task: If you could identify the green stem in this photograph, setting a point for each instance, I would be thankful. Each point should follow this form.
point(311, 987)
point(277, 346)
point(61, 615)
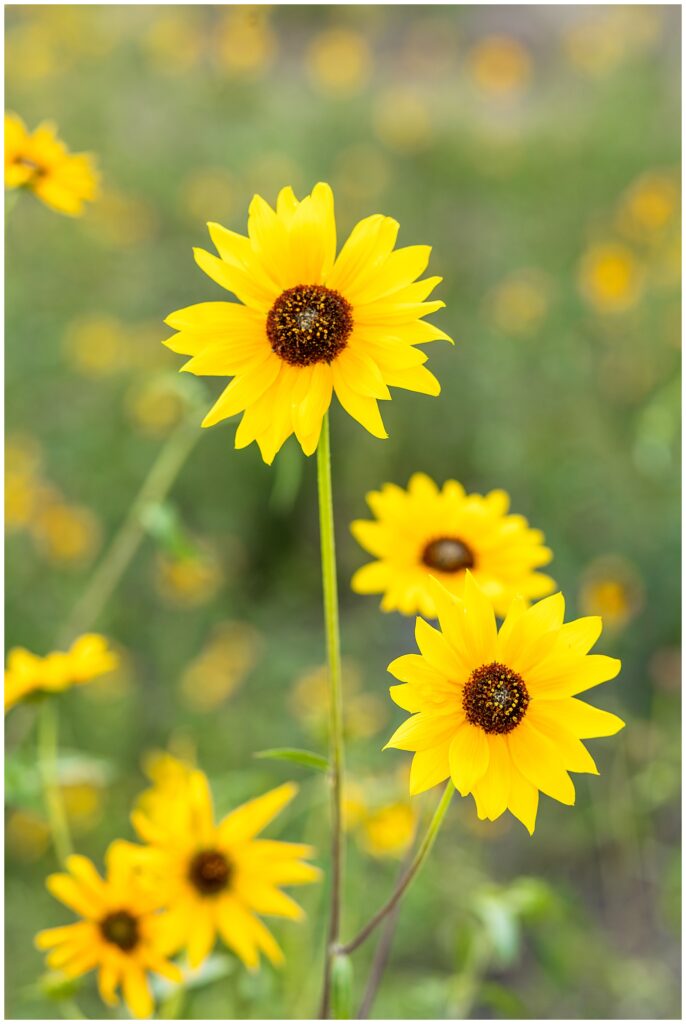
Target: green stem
point(333, 648)
point(47, 766)
point(421, 855)
point(154, 489)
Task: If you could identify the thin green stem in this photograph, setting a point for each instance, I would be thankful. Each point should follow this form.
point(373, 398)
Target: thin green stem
point(333, 648)
point(124, 545)
point(421, 855)
point(47, 766)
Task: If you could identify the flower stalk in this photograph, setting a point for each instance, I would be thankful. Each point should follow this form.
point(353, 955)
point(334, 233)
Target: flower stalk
point(47, 766)
point(412, 871)
point(333, 648)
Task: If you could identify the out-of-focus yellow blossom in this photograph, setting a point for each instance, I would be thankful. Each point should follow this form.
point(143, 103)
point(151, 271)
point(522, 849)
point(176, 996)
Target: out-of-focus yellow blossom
point(94, 347)
point(611, 588)
point(22, 454)
point(41, 162)
point(31, 54)
point(353, 806)
point(402, 120)
point(598, 44)
point(120, 221)
point(27, 836)
point(155, 405)
point(610, 277)
point(650, 204)
point(500, 65)
point(120, 933)
point(170, 777)
point(245, 42)
point(377, 172)
point(67, 533)
point(188, 580)
point(383, 826)
point(21, 499)
point(26, 673)
point(83, 804)
point(363, 713)
point(173, 42)
point(222, 666)
point(339, 61)
point(209, 193)
point(519, 304)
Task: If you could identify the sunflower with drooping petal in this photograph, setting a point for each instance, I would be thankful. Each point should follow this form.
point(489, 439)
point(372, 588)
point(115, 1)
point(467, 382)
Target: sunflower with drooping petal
point(497, 710)
point(121, 934)
point(215, 879)
point(308, 323)
point(424, 532)
point(88, 658)
point(40, 162)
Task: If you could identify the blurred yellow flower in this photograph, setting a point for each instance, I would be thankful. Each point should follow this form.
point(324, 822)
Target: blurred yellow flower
point(40, 162)
point(339, 61)
point(499, 65)
point(402, 120)
point(155, 405)
point(217, 878)
point(120, 934)
point(610, 277)
point(496, 711)
point(425, 532)
point(308, 324)
point(66, 533)
point(188, 580)
point(26, 673)
point(209, 193)
point(244, 40)
point(650, 204)
point(519, 304)
point(83, 804)
point(93, 345)
point(221, 667)
point(31, 54)
point(27, 835)
point(21, 498)
point(596, 45)
point(173, 41)
point(363, 713)
point(612, 589)
point(388, 831)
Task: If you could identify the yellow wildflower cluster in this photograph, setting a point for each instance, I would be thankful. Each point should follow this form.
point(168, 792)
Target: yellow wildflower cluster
point(195, 879)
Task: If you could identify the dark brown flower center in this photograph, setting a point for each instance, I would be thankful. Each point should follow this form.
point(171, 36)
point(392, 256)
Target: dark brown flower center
point(309, 324)
point(495, 698)
point(448, 554)
point(209, 872)
point(121, 929)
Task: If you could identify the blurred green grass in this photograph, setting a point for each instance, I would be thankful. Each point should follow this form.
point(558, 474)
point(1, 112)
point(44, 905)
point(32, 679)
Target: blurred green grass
point(518, 163)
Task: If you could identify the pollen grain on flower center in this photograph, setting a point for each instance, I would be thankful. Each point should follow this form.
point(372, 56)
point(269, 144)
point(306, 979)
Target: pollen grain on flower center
point(121, 929)
point(210, 872)
point(495, 698)
point(448, 554)
point(309, 324)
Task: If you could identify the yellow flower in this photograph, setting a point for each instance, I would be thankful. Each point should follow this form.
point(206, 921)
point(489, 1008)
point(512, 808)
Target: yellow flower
point(423, 532)
point(500, 65)
point(610, 278)
point(388, 830)
point(612, 588)
point(88, 658)
point(216, 878)
point(121, 932)
point(339, 61)
point(41, 162)
point(497, 710)
point(650, 204)
point(308, 323)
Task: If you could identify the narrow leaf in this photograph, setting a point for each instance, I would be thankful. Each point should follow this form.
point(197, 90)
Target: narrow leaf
point(305, 757)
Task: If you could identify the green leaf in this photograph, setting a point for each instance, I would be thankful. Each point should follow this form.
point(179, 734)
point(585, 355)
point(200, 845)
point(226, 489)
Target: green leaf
point(342, 988)
point(307, 758)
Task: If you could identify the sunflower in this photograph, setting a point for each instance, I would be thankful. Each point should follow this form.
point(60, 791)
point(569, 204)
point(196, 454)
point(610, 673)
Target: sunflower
point(26, 673)
point(424, 532)
point(496, 711)
point(39, 161)
point(216, 878)
point(120, 933)
point(308, 322)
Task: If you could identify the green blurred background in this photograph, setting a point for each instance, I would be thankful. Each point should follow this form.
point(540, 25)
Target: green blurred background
point(537, 149)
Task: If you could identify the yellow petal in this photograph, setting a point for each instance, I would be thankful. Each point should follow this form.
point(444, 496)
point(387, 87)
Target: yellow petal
point(426, 729)
point(493, 789)
point(137, 994)
point(538, 761)
point(469, 757)
point(236, 927)
point(429, 767)
point(585, 721)
point(201, 933)
point(523, 800)
point(362, 408)
point(547, 719)
point(250, 818)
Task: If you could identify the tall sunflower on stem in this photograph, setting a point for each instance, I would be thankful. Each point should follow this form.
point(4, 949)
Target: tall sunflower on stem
point(309, 323)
